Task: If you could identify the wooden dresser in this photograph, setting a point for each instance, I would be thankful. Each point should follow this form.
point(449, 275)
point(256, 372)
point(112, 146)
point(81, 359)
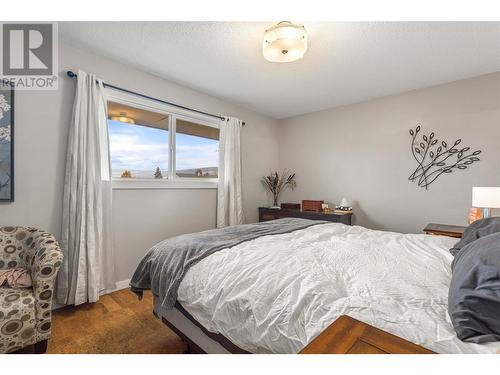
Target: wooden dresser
point(266, 214)
point(347, 335)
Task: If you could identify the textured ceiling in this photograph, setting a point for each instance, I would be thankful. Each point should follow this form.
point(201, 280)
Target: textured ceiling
point(345, 63)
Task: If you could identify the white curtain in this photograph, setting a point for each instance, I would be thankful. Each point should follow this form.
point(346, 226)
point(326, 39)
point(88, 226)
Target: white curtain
point(88, 266)
point(229, 201)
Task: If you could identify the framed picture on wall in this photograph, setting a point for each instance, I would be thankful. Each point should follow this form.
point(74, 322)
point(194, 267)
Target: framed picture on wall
point(6, 142)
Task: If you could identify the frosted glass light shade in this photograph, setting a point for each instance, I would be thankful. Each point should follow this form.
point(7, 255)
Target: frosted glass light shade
point(486, 197)
point(284, 42)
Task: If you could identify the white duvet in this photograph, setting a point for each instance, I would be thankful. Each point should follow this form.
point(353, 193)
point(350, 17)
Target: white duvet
point(277, 293)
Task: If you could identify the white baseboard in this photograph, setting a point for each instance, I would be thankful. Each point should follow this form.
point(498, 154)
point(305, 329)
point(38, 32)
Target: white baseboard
point(123, 284)
point(119, 285)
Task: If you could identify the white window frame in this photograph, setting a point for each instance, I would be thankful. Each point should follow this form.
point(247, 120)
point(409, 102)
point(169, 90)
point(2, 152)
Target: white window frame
point(173, 113)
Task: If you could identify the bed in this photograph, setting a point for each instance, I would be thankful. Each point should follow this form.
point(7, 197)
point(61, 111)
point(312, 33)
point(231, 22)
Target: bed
point(276, 293)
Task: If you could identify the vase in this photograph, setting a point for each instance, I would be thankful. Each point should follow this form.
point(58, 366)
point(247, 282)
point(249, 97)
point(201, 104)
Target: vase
point(275, 205)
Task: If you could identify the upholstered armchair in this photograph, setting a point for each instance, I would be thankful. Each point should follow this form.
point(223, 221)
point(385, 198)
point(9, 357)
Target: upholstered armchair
point(25, 313)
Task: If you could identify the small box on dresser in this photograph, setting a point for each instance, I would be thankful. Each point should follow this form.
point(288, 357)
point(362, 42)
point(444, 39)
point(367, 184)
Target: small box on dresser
point(309, 205)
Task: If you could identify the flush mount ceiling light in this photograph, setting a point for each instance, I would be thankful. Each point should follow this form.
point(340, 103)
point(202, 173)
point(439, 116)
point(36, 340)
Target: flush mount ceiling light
point(123, 118)
point(284, 42)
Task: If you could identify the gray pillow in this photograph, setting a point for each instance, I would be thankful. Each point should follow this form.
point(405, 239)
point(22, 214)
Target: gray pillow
point(474, 295)
point(477, 229)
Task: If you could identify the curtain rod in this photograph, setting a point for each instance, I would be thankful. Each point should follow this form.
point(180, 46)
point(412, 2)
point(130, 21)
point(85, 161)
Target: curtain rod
point(71, 74)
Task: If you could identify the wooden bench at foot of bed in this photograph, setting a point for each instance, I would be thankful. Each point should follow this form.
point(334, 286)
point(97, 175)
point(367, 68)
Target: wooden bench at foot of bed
point(350, 336)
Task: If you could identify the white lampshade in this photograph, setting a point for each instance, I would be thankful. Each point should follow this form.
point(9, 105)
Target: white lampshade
point(284, 42)
point(486, 197)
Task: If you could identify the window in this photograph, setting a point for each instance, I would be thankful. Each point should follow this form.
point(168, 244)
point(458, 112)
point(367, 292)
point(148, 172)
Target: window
point(138, 142)
point(197, 150)
point(156, 146)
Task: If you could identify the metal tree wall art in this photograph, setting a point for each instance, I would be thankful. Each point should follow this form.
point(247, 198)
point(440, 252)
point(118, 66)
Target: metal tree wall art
point(435, 158)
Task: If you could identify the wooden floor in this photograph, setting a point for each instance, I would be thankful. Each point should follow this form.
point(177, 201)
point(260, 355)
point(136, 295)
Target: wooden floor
point(117, 323)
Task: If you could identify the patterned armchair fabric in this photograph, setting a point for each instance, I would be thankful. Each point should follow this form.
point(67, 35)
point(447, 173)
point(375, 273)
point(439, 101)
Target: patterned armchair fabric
point(25, 314)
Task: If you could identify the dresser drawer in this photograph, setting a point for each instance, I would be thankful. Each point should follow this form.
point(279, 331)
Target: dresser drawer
point(269, 216)
point(266, 214)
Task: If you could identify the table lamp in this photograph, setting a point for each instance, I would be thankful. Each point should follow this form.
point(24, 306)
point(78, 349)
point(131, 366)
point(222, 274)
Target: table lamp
point(486, 198)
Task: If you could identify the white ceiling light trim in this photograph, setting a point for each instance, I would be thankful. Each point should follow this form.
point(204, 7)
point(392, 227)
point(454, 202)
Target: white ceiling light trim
point(284, 42)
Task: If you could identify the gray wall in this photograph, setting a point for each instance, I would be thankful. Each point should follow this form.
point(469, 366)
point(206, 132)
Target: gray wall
point(141, 217)
point(362, 151)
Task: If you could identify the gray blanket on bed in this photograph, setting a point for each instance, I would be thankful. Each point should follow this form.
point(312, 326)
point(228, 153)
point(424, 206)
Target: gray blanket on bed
point(165, 264)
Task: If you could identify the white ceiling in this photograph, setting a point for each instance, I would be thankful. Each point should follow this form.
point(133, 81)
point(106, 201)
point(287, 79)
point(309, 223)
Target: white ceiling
point(345, 63)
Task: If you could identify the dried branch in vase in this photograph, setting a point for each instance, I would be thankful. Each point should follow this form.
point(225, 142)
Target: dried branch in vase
point(275, 184)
